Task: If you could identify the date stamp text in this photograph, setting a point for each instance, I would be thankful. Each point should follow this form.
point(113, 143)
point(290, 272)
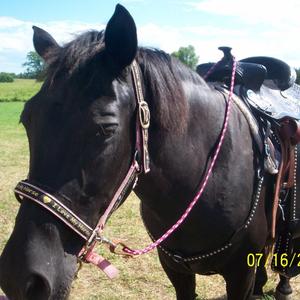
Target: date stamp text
point(279, 260)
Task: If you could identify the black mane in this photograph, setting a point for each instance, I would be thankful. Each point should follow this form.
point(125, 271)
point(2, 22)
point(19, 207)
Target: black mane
point(162, 74)
point(75, 54)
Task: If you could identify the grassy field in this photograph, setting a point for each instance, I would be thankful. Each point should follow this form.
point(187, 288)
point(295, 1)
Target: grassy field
point(20, 90)
point(140, 278)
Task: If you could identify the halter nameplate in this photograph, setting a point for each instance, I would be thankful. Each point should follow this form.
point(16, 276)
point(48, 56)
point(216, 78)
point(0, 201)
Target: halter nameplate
point(52, 204)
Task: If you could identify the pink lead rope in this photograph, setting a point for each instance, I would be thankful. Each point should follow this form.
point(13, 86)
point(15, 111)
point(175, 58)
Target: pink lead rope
point(203, 183)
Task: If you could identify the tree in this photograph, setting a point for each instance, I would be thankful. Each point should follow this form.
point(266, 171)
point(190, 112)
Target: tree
point(187, 55)
point(6, 77)
point(35, 66)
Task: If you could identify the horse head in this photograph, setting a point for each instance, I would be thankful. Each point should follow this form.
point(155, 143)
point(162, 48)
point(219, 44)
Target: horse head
point(80, 128)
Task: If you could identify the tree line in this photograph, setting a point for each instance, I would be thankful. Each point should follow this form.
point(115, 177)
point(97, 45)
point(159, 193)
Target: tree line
point(35, 66)
point(34, 69)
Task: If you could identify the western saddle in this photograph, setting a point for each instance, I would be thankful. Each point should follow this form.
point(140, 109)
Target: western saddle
point(267, 87)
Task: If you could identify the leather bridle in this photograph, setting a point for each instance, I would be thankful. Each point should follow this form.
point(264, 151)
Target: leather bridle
point(140, 163)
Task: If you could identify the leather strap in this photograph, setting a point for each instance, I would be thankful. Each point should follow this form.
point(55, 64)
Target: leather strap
point(143, 114)
point(285, 176)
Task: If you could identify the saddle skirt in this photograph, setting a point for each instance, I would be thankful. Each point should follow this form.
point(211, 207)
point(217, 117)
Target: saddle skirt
point(273, 103)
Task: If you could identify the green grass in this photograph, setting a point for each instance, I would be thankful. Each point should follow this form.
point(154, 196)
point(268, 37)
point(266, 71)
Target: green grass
point(18, 91)
point(140, 278)
point(13, 164)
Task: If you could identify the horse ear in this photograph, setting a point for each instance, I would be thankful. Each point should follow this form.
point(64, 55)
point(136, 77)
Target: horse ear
point(121, 37)
point(43, 42)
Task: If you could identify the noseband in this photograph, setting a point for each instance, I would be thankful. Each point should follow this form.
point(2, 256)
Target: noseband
point(140, 163)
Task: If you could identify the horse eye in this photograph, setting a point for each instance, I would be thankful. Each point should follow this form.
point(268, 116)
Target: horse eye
point(107, 129)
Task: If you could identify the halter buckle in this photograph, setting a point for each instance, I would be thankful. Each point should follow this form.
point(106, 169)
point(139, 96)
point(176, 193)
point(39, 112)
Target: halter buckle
point(144, 114)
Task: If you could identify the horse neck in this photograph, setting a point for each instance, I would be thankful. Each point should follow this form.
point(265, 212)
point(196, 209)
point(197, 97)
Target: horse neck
point(179, 158)
point(202, 124)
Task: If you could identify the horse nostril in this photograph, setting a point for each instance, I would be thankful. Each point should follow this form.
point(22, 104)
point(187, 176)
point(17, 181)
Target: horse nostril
point(37, 287)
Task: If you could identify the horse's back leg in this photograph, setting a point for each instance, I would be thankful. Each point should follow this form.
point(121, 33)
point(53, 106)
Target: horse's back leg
point(261, 275)
point(284, 290)
point(261, 279)
point(183, 282)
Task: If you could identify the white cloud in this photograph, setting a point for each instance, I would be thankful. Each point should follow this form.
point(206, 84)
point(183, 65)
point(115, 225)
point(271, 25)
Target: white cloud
point(256, 27)
point(16, 38)
point(274, 12)
point(17, 35)
point(8, 22)
point(246, 40)
point(206, 40)
point(163, 37)
point(246, 43)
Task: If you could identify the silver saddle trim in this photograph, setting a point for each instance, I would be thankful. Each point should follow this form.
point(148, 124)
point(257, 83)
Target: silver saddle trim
point(275, 103)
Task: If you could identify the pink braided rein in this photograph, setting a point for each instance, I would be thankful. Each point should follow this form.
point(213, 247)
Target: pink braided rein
point(203, 183)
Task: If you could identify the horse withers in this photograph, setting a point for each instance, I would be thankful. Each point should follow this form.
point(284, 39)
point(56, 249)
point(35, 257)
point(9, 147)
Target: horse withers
point(81, 129)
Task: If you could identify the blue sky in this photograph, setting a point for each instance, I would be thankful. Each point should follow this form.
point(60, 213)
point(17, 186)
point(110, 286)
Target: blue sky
point(270, 30)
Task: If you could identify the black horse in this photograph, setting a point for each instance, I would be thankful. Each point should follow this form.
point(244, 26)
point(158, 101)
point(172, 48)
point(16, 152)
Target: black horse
point(283, 290)
point(81, 132)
